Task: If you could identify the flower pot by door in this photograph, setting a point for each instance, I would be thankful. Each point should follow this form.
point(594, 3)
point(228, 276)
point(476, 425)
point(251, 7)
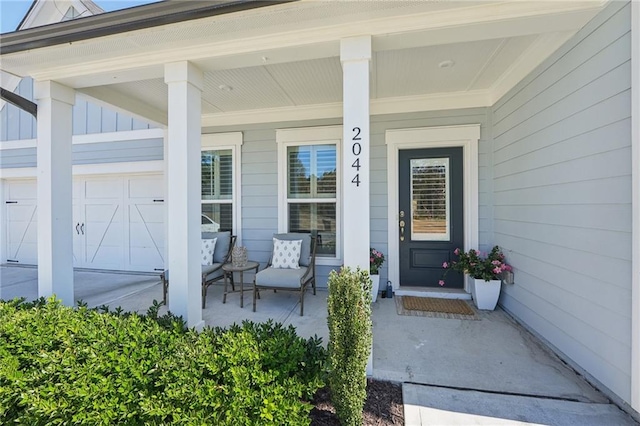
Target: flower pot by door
point(375, 286)
point(485, 293)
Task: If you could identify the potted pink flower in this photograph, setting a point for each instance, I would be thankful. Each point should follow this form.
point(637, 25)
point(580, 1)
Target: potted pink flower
point(376, 259)
point(484, 274)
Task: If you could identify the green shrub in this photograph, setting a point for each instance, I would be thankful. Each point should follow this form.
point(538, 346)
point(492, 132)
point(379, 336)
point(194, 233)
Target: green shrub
point(60, 365)
point(350, 339)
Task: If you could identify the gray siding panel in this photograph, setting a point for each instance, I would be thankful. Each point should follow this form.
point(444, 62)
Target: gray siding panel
point(13, 122)
point(139, 125)
point(562, 198)
point(80, 117)
point(26, 120)
point(109, 120)
point(4, 122)
point(16, 124)
point(94, 118)
point(95, 153)
point(92, 153)
point(123, 122)
point(21, 157)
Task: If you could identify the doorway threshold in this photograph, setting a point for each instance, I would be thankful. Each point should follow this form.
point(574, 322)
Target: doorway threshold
point(438, 293)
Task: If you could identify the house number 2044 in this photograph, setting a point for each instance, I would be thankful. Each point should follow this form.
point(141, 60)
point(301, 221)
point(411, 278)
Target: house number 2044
point(356, 150)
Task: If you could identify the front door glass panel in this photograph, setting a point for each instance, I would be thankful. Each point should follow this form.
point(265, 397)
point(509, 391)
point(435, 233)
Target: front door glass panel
point(430, 190)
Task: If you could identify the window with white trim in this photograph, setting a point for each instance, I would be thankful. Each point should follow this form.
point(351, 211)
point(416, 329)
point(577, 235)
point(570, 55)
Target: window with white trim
point(217, 190)
point(310, 183)
point(220, 173)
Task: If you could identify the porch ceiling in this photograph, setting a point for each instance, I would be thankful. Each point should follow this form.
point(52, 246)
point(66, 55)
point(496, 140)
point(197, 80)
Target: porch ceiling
point(427, 55)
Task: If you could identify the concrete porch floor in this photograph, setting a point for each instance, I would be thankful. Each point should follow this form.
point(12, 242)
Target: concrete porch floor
point(454, 372)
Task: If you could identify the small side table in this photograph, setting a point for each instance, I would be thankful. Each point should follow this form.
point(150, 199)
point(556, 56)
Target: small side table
point(229, 268)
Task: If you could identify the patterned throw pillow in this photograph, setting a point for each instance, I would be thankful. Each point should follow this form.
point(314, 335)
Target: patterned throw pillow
point(206, 251)
point(286, 254)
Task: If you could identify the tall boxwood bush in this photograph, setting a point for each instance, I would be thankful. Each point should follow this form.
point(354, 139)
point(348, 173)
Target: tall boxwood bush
point(350, 339)
point(60, 365)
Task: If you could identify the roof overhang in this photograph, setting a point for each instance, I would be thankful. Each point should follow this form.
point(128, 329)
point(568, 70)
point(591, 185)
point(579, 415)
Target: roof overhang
point(121, 21)
point(282, 58)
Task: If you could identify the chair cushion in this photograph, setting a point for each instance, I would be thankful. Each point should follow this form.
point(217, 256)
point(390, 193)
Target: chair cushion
point(222, 244)
point(305, 251)
point(284, 278)
point(206, 251)
point(286, 254)
point(213, 271)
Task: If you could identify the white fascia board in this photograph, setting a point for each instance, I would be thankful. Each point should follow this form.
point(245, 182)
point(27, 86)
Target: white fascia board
point(403, 104)
point(18, 144)
point(124, 136)
point(508, 15)
point(538, 51)
point(273, 115)
point(435, 102)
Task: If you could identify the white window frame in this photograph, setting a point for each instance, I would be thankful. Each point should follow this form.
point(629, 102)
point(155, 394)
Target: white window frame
point(232, 141)
point(327, 135)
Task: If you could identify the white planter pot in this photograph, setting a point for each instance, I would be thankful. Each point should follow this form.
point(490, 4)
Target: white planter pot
point(485, 294)
point(375, 286)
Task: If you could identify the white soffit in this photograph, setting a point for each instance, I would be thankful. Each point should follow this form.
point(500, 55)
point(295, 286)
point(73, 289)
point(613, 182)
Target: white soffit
point(392, 24)
point(285, 57)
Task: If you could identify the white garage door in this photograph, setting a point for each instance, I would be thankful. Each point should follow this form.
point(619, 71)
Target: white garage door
point(118, 223)
point(21, 227)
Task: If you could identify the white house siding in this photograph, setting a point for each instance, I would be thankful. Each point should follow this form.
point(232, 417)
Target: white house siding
point(16, 124)
point(562, 198)
point(260, 185)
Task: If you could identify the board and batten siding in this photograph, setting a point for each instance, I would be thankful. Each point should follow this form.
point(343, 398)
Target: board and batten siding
point(562, 198)
point(16, 124)
point(260, 177)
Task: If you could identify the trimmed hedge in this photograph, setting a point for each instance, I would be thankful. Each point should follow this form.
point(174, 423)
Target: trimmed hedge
point(60, 365)
point(350, 340)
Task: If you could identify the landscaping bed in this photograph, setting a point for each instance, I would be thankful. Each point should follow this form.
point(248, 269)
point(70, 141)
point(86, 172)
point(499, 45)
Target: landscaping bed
point(62, 365)
point(382, 407)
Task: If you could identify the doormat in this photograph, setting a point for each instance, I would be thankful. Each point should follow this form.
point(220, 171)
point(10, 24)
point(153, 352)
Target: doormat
point(435, 308)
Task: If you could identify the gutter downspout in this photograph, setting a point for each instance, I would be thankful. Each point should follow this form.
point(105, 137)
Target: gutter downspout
point(19, 101)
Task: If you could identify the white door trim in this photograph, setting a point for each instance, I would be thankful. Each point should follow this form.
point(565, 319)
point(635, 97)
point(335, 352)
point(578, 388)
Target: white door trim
point(467, 137)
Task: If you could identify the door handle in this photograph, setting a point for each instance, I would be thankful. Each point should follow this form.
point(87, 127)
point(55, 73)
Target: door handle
point(82, 228)
point(402, 230)
point(77, 231)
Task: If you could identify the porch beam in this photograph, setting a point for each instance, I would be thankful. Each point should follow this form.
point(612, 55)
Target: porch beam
point(184, 81)
point(355, 55)
point(129, 105)
point(54, 183)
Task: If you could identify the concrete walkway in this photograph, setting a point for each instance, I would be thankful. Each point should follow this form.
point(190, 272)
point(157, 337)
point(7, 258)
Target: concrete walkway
point(487, 371)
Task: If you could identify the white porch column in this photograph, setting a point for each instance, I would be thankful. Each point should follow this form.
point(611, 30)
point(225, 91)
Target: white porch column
point(355, 55)
point(184, 82)
point(54, 183)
